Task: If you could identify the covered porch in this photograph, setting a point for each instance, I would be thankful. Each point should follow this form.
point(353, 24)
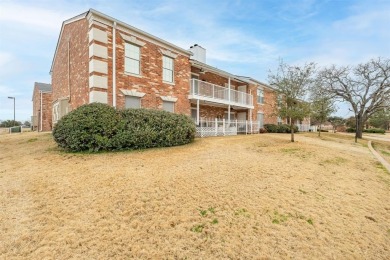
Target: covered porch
point(218, 95)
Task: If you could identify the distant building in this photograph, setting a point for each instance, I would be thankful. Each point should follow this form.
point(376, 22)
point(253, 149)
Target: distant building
point(41, 120)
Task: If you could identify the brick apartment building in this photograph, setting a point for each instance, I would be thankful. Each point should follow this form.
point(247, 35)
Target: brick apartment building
point(101, 59)
point(41, 119)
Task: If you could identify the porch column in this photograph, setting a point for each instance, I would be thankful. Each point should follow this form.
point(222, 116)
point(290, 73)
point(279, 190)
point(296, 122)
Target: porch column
point(197, 112)
point(229, 101)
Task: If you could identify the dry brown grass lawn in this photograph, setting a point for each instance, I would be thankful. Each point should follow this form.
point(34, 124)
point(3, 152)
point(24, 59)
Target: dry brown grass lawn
point(383, 148)
point(232, 197)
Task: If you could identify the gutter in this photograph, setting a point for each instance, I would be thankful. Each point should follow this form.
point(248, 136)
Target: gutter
point(69, 69)
point(114, 64)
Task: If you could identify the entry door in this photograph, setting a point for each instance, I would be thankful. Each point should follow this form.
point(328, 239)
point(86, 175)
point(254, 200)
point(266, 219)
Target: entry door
point(241, 116)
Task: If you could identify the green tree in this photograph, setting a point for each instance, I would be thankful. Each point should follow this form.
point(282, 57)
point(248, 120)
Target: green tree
point(336, 121)
point(10, 123)
point(292, 84)
point(381, 119)
point(350, 122)
point(322, 105)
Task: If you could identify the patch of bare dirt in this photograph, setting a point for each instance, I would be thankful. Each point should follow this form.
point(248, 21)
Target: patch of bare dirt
point(231, 197)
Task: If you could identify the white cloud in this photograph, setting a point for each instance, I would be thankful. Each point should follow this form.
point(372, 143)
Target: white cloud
point(35, 18)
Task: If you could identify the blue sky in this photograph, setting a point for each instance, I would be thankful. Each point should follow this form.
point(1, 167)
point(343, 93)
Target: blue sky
point(242, 37)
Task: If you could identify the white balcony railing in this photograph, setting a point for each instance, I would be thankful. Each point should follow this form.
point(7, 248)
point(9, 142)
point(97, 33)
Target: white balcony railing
point(214, 93)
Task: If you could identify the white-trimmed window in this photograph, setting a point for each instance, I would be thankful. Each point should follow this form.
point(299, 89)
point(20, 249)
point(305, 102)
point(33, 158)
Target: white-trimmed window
point(169, 106)
point(280, 121)
point(260, 96)
point(168, 69)
point(132, 58)
point(133, 102)
point(260, 119)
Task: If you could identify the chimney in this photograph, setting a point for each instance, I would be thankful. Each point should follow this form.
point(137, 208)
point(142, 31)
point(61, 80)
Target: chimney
point(199, 53)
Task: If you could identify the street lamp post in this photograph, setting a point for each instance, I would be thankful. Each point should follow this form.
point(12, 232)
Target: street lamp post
point(14, 108)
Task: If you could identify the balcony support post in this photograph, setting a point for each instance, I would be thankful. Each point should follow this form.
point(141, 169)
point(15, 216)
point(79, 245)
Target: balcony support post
point(197, 112)
point(229, 101)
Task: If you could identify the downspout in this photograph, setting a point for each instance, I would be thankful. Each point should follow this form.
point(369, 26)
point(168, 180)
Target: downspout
point(229, 102)
point(69, 70)
point(197, 112)
point(250, 110)
point(41, 117)
point(114, 65)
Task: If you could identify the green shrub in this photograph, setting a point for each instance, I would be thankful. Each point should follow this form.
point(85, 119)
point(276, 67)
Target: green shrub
point(350, 130)
point(374, 130)
point(144, 128)
point(322, 130)
point(284, 128)
point(96, 127)
point(262, 130)
point(271, 128)
point(89, 127)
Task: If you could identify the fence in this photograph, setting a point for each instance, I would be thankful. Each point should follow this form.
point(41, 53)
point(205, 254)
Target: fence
point(222, 127)
point(303, 127)
point(14, 129)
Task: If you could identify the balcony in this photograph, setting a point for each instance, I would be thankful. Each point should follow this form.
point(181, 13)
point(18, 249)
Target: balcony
point(209, 92)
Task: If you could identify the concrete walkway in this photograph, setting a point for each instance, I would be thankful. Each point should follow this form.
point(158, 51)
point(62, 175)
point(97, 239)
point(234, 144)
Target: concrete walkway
point(379, 157)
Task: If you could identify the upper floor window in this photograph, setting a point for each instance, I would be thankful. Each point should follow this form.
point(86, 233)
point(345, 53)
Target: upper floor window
point(260, 96)
point(132, 58)
point(167, 69)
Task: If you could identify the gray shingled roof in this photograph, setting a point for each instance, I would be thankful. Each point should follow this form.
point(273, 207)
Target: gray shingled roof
point(43, 86)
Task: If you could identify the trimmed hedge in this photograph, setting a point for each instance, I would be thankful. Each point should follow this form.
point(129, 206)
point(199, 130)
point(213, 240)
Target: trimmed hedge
point(374, 131)
point(96, 127)
point(322, 130)
point(370, 130)
point(271, 128)
point(144, 128)
point(89, 127)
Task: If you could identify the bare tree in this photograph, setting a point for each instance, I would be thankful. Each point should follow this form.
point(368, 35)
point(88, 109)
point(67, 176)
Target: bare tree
point(365, 87)
point(292, 83)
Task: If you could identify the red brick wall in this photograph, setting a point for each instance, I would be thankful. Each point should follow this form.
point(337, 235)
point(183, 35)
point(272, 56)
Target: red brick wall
point(76, 33)
point(150, 81)
point(46, 111)
point(210, 112)
point(269, 108)
point(216, 79)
